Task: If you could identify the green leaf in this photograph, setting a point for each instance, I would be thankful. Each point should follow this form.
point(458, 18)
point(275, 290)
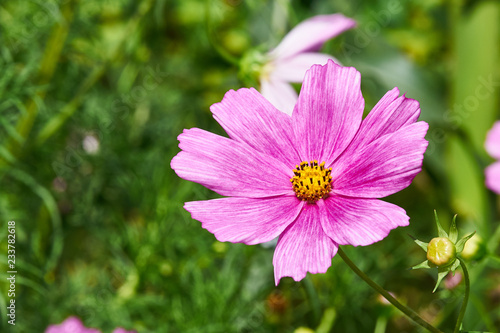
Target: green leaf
point(442, 272)
point(11, 130)
point(455, 265)
point(453, 230)
point(424, 264)
point(441, 231)
point(461, 243)
point(327, 321)
point(421, 244)
point(51, 205)
point(473, 42)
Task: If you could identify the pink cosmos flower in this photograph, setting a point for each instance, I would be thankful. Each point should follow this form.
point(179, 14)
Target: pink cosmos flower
point(312, 178)
point(75, 325)
point(71, 325)
point(296, 53)
point(492, 146)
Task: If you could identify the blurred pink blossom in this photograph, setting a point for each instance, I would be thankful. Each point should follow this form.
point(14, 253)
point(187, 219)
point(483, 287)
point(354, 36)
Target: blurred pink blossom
point(492, 146)
point(74, 325)
point(452, 280)
point(296, 53)
point(71, 325)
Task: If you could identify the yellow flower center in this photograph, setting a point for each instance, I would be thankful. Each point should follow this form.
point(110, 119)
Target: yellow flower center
point(312, 181)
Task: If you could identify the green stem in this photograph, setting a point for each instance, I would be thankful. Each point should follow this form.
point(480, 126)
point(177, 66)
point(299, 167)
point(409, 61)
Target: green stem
point(313, 298)
point(381, 324)
point(494, 241)
point(211, 38)
point(466, 297)
point(51, 205)
point(407, 311)
point(69, 109)
point(13, 148)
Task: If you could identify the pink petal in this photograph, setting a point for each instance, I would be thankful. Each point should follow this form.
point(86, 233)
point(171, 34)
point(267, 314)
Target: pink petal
point(354, 221)
point(70, 325)
point(294, 68)
point(492, 173)
point(311, 34)
point(248, 117)
point(228, 167)
point(303, 247)
point(328, 112)
point(385, 166)
point(281, 94)
point(244, 220)
point(390, 114)
point(492, 143)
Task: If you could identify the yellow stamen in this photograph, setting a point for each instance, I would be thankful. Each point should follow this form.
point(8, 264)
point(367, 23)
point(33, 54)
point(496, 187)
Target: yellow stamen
point(312, 181)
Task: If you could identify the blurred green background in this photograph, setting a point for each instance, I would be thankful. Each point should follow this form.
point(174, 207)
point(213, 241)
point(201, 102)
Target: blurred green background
point(92, 97)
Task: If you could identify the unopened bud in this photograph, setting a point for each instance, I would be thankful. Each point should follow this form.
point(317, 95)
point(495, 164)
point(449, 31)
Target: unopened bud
point(441, 251)
point(253, 65)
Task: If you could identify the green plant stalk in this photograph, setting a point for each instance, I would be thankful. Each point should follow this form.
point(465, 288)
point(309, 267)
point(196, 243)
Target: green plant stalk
point(407, 311)
point(69, 109)
point(466, 297)
point(327, 321)
point(48, 66)
point(313, 298)
point(488, 320)
point(494, 241)
point(473, 32)
point(50, 203)
point(381, 324)
point(211, 38)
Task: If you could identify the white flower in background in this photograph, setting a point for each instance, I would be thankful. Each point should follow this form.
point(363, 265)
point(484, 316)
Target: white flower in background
point(90, 144)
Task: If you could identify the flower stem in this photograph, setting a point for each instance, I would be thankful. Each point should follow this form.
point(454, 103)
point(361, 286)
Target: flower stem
point(48, 65)
point(407, 311)
point(466, 297)
point(71, 107)
point(313, 298)
point(211, 37)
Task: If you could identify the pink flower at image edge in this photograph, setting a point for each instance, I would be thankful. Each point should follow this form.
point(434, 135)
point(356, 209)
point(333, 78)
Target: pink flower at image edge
point(71, 325)
point(492, 145)
point(296, 53)
point(312, 178)
point(74, 325)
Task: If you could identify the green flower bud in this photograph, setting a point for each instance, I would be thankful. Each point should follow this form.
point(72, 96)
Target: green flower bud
point(441, 251)
point(253, 66)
